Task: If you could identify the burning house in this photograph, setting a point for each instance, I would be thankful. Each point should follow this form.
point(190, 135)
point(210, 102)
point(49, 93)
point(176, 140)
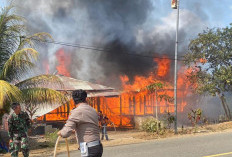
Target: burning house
point(124, 45)
point(61, 112)
point(133, 101)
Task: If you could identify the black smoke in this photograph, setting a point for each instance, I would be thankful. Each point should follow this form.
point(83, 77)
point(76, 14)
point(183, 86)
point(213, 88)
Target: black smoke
point(129, 32)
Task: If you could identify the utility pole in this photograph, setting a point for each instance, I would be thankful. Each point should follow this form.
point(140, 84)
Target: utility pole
point(175, 73)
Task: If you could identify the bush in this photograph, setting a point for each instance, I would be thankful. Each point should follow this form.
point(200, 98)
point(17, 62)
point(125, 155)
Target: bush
point(150, 125)
point(51, 138)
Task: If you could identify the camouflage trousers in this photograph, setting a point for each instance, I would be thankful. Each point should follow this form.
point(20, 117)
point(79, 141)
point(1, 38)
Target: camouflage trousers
point(17, 144)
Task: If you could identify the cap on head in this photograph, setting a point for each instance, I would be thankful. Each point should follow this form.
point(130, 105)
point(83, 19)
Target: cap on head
point(79, 96)
point(14, 105)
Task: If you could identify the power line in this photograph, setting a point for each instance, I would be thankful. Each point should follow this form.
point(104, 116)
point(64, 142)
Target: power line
point(98, 49)
point(104, 50)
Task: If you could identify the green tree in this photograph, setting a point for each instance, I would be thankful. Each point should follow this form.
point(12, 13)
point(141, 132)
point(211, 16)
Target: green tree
point(210, 61)
point(10, 27)
point(159, 86)
point(18, 61)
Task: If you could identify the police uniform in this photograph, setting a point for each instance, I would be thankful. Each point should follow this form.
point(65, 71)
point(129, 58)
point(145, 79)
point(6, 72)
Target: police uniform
point(84, 120)
point(18, 128)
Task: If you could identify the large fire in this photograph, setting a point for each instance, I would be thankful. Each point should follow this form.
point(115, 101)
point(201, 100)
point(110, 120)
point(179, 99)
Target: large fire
point(163, 66)
point(135, 99)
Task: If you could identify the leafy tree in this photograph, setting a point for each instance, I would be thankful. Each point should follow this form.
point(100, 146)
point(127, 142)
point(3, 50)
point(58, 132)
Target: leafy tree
point(154, 87)
point(18, 60)
point(210, 64)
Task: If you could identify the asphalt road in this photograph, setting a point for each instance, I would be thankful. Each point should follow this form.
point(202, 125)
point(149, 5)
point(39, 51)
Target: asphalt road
point(211, 145)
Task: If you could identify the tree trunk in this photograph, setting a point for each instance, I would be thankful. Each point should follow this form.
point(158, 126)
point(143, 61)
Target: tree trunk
point(225, 106)
point(228, 108)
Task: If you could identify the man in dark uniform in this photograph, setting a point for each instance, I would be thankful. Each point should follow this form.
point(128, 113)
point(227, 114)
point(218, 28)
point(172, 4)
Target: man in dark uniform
point(18, 123)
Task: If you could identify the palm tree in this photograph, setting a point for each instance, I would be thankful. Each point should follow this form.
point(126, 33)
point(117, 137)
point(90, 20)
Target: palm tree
point(19, 60)
point(10, 27)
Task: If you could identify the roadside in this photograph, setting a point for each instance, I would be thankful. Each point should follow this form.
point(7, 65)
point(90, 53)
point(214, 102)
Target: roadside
point(39, 147)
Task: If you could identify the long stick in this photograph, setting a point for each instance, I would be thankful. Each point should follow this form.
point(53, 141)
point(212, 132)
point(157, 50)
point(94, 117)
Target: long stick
point(67, 146)
point(57, 142)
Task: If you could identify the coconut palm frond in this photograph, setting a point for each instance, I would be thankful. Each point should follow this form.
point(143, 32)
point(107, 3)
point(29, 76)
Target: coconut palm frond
point(17, 28)
point(14, 18)
point(10, 29)
point(9, 93)
point(10, 24)
point(43, 96)
point(20, 62)
point(41, 81)
point(43, 37)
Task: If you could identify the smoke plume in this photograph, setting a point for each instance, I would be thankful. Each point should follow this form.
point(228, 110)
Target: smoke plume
point(123, 29)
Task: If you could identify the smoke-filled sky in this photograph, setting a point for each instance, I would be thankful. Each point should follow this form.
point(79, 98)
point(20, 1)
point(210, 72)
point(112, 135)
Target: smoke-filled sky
point(137, 27)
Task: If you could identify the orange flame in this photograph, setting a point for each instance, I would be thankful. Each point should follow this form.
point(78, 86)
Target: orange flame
point(163, 66)
point(136, 100)
point(64, 61)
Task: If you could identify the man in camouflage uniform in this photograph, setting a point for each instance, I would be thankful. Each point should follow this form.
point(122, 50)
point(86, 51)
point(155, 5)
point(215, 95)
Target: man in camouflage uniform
point(18, 123)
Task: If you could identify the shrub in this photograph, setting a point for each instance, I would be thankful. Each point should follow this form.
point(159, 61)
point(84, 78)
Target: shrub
point(51, 138)
point(168, 120)
point(195, 116)
point(151, 125)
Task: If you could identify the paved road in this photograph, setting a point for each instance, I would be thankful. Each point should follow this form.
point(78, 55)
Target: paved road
point(219, 144)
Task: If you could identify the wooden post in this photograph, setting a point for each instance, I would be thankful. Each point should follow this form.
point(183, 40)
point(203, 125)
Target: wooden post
point(134, 105)
point(68, 109)
point(156, 105)
point(44, 118)
point(120, 111)
point(145, 107)
point(152, 103)
point(98, 104)
point(130, 106)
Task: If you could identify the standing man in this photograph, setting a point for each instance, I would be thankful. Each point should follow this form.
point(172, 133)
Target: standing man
point(84, 120)
point(104, 123)
point(18, 124)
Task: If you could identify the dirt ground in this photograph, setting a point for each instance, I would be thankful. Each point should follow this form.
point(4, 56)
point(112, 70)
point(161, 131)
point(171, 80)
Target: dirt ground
point(127, 137)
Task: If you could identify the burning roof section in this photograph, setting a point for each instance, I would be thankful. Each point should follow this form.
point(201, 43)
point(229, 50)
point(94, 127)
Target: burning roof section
point(70, 84)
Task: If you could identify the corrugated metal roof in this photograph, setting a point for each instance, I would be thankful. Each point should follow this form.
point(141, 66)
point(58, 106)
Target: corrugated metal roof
point(70, 84)
point(103, 94)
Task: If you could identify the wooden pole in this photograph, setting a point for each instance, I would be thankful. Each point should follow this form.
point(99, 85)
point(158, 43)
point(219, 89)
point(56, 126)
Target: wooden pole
point(134, 105)
point(145, 107)
point(98, 104)
point(120, 110)
point(57, 142)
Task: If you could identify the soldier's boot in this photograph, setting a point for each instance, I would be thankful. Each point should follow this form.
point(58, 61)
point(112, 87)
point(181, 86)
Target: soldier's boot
point(14, 149)
point(14, 153)
point(25, 152)
point(24, 146)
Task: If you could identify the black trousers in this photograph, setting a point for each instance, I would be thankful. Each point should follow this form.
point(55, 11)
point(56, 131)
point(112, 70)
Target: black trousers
point(95, 151)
